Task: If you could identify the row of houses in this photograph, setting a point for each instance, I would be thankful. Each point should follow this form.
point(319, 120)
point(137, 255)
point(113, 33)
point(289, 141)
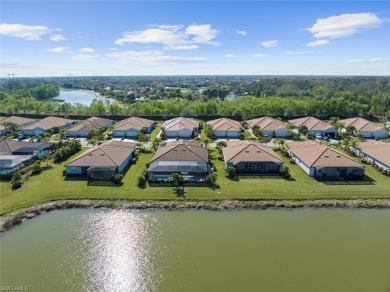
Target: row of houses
point(15, 155)
point(191, 160)
point(185, 127)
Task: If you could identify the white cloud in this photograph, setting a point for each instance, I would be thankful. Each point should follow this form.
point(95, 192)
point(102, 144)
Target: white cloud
point(86, 57)
point(181, 47)
point(58, 49)
point(154, 57)
point(302, 52)
point(87, 50)
point(230, 56)
point(258, 55)
point(270, 43)
point(241, 32)
point(371, 60)
point(172, 36)
point(202, 33)
point(58, 37)
point(344, 25)
point(318, 43)
point(153, 35)
point(31, 33)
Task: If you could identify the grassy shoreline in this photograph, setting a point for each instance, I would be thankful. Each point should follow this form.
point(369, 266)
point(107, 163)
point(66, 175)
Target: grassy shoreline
point(10, 220)
point(51, 185)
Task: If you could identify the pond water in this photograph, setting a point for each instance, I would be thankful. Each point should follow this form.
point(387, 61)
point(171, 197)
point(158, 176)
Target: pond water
point(84, 97)
point(271, 250)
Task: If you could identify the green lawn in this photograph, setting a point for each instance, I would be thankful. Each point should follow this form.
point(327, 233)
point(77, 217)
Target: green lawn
point(51, 185)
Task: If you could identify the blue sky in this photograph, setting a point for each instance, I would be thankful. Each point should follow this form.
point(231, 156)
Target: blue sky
point(195, 38)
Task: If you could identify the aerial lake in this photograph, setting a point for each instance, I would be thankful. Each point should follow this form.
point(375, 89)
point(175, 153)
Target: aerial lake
point(157, 250)
point(84, 97)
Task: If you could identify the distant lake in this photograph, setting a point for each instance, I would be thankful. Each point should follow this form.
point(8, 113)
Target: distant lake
point(230, 97)
point(84, 97)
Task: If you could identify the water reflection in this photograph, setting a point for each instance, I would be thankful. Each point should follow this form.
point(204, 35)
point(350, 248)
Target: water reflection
point(118, 251)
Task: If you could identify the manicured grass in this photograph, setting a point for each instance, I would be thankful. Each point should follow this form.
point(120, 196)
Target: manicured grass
point(155, 131)
point(51, 185)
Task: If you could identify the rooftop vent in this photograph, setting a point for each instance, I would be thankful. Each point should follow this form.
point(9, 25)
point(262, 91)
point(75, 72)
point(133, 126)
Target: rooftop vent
point(326, 156)
point(246, 151)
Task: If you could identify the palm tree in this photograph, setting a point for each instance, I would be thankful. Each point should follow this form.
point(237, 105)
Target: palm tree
point(176, 178)
point(206, 142)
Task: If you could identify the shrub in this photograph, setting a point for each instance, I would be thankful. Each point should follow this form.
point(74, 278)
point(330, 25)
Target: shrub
point(36, 168)
point(147, 164)
point(16, 176)
point(211, 179)
point(231, 171)
point(141, 181)
point(16, 184)
point(292, 161)
point(284, 172)
point(241, 136)
point(117, 178)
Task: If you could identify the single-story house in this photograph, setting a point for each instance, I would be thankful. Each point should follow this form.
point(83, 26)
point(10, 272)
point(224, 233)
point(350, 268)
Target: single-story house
point(249, 157)
point(315, 126)
point(377, 152)
point(12, 163)
point(46, 124)
point(269, 126)
point(103, 161)
point(11, 147)
point(366, 128)
point(16, 120)
point(130, 128)
point(83, 128)
point(180, 127)
point(225, 128)
point(189, 158)
point(323, 162)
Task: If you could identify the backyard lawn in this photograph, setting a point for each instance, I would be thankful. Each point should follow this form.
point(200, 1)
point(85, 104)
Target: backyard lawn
point(52, 185)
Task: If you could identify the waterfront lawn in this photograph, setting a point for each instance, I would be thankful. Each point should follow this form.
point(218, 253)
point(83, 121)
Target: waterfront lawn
point(52, 185)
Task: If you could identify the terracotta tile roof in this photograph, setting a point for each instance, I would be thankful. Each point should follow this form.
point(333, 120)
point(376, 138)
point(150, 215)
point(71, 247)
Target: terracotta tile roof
point(8, 147)
point(19, 120)
point(224, 124)
point(182, 150)
point(248, 151)
point(180, 123)
point(361, 124)
point(111, 153)
point(311, 123)
point(90, 124)
point(378, 150)
point(317, 155)
point(267, 123)
point(49, 123)
point(133, 123)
